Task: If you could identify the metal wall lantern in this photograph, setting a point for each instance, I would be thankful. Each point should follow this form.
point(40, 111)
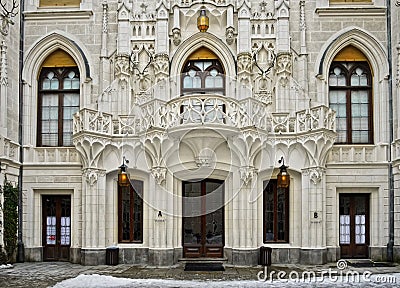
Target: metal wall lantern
point(123, 176)
point(203, 21)
point(283, 177)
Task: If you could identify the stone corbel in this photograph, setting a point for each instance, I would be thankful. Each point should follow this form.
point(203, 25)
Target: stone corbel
point(315, 175)
point(176, 36)
point(159, 174)
point(230, 35)
point(92, 175)
point(247, 174)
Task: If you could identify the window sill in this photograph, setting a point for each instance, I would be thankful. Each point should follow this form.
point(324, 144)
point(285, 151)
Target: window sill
point(353, 11)
point(59, 14)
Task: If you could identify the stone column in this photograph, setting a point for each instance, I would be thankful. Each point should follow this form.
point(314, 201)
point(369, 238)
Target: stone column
point(93, 217)
point(313, 240)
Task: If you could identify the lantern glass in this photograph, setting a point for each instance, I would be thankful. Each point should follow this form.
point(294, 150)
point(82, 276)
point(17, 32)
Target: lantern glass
point(283, 179)
point(203, 21)
point(123, 179)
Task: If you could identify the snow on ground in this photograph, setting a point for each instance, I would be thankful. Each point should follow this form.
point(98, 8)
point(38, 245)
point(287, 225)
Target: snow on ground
point(6, 266)
point(101, 281)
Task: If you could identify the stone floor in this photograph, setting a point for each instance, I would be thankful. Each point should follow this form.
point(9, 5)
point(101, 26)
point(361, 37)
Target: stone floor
point(47, 274)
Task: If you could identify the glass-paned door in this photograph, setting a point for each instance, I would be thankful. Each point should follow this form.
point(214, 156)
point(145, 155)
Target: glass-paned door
point(354, 225)
point(56, 227)
point(203, 219)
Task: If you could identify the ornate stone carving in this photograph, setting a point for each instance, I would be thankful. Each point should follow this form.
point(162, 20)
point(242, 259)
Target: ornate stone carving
point(266, 10)
point(302, 16)
point(203, 161)
point(315, 174)
point(3, 64)
point(92, 175)
point(247, 174)
point(176, 36)
point(244, 62)
point(122, 67)
point(161, 66)
point(284, 68)
point(398, 65)
point(7, 16)
point(159, 174)
point(105, 17)
point(230, 35)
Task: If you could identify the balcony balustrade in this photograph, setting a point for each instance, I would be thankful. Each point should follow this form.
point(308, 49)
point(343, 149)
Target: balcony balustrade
point(212, 110)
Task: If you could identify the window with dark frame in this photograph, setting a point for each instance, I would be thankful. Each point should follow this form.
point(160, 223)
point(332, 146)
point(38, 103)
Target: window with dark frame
point(276, 212)
point(350, 95)
point(203, 77)
point(57, 103)
point(130, 213)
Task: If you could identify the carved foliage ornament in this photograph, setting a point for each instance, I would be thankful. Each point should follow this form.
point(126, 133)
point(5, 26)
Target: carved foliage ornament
point(92, 175)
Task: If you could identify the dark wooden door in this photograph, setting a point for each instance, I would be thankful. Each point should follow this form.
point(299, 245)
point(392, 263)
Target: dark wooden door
point(203, 219)
point(56, 227)
point(354, 225)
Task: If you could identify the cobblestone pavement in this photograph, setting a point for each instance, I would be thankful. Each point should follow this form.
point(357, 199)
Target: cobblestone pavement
point(47, 274)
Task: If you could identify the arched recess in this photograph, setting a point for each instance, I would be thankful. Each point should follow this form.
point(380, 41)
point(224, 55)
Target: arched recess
point(35, 56)
point(196, 42)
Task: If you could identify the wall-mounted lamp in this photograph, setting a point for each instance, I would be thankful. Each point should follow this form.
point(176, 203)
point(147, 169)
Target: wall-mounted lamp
point(283, 176)
point(203, 21)
point(123, 176)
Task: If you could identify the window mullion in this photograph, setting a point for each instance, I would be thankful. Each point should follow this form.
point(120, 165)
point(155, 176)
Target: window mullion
point(60, 119)
point(349, 117)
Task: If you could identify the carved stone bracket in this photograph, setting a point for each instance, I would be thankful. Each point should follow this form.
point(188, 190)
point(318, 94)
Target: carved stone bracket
point(230, 35)
point(284, 68)
point(247, 174)
point(161, 66)
point(244, 62)
point(315, 174)
point(159, 174)
point(176, 36)
point(92, 175)
point(122, 67)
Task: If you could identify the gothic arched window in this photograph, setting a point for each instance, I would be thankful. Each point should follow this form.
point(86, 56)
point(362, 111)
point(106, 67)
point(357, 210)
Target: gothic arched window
point(350, 95)
point(58, 101)
point(203, 74)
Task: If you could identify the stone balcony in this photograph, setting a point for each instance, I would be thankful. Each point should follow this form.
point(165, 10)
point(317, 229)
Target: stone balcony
point(211, 110)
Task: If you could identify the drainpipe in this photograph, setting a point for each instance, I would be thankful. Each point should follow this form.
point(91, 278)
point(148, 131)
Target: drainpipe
point(20, 247)
point(390, 91)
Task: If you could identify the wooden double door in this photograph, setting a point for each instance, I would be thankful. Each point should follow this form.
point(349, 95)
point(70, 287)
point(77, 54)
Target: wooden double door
point(354, 225)
point(56, 227)
point(203, 219)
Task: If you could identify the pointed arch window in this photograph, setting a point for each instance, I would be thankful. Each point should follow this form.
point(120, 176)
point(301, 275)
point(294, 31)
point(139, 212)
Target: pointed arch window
point(350, 95)
point(203, 74)
point(58, 100)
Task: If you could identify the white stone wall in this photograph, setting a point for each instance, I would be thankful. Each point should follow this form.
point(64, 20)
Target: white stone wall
point(304, 41)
